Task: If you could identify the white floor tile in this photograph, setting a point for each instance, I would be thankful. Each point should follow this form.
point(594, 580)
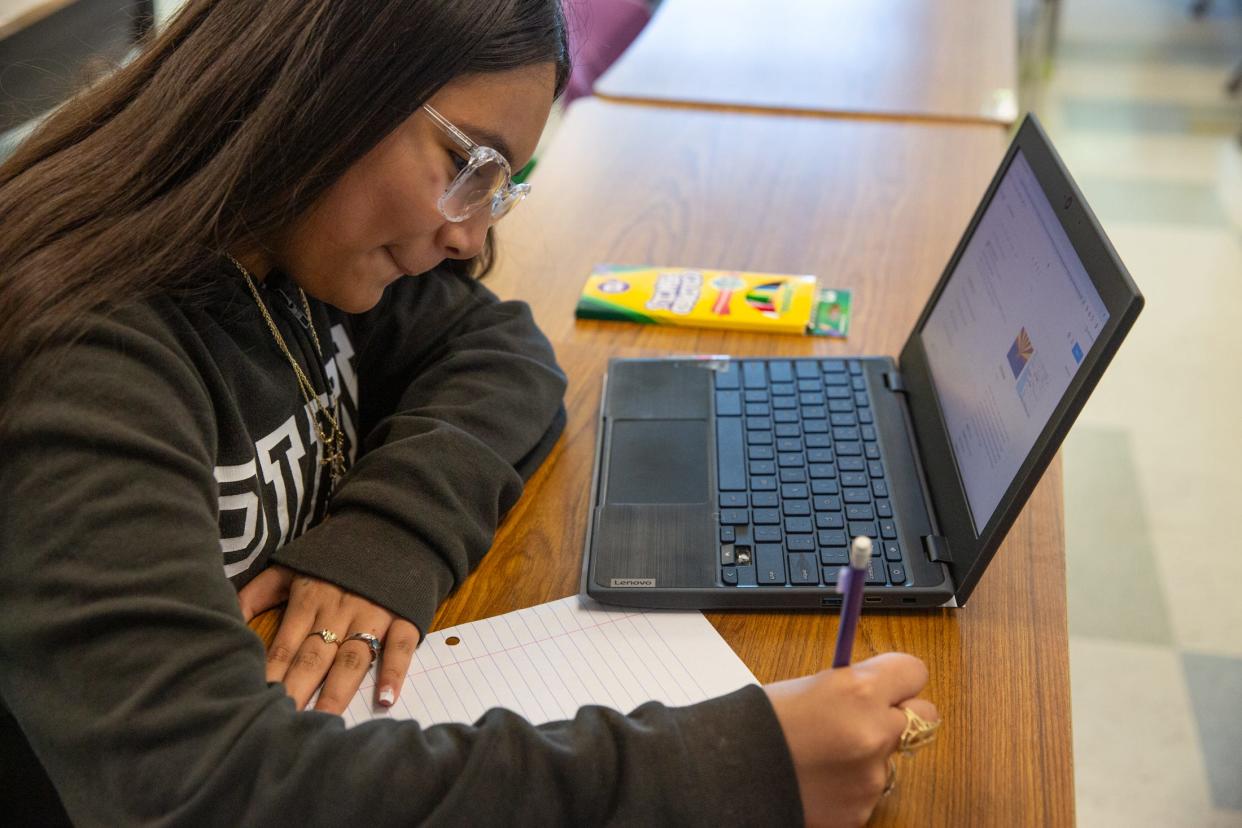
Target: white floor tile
point(1137, 761)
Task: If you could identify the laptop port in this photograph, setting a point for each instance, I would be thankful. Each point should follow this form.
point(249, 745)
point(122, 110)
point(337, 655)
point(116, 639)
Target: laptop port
point(830, 602)
point(872, 599)
point(907, 600)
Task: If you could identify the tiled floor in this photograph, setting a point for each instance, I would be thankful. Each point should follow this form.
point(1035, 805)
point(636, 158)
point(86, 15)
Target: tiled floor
point(1135, 102)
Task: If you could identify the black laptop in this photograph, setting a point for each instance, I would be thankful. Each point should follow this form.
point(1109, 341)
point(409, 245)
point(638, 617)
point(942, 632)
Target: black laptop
point(725, 482)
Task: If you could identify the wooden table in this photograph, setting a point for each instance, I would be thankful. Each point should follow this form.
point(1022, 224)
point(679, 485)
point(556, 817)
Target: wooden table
point(944, 60)
point(872, 206)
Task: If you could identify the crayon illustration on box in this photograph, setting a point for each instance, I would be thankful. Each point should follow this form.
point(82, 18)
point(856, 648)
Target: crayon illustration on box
point(691, 297)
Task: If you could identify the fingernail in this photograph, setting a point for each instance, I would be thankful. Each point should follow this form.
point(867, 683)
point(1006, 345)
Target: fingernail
point(387, 697)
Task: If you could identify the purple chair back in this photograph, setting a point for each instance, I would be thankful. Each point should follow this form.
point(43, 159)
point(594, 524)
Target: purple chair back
point(599, 31)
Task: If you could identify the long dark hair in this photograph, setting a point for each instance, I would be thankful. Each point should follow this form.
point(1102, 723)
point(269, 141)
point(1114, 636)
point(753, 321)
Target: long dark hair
point(226, 127)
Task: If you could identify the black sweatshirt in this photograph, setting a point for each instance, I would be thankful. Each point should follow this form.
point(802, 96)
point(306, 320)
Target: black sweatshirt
point(172, 440)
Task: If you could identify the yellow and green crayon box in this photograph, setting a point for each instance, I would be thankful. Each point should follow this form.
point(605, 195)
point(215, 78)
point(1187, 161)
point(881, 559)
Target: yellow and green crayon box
point(773, 302)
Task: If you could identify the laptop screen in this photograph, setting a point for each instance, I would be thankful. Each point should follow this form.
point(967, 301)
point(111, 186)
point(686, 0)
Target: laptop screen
point(1007, 335)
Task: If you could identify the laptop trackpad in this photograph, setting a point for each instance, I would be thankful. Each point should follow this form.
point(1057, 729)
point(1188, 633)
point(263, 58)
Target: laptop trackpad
point(657, 461)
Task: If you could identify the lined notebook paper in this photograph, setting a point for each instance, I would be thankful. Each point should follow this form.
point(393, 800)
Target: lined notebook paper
point(545, 662)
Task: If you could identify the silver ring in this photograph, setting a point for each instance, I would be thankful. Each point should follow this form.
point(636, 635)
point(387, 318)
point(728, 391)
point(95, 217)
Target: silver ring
point(372, 642)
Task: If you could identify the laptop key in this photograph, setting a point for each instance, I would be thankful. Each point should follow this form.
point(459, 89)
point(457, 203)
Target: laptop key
point(810, 386)
point(756, 396)
point(868, 433)
point(762, 467)
point(781, 416)
point(769, 564)
point(879, 488)
point(830, 573)
point(783, 389)
point(843, 420)
point(832, 366)
point(780, 371)
point(840, 405)
point(753, 375)
point(758, 423)
point(730, 457)
point(817, 441)
point(814, 412)
point(849, 449)
point(828, 520)
point(793, 475)
point(728, 404)
point(825, 486)
point(859, 512)
point(727, 556)
point(763, 484)
point(796, 508)
point(897, 573)
point(856, 496)
point(888, 529)
point(848, 464)
point(822, 470)
point(853, 479)
point(727, 535)
point(755, 438)
point(836, 379)
point(838, 392)
point(855, 367)
point(791, 458)
point(883, 508)
point(767, 516)
point(832, 537)
point(733, 500)
point(815, 426)
point(859, 384)
point(803, 569)
point(861, 399)
point(834, 557)
point(892, 551)
point(798, 526)
point(800, 543)
point(767, 534)
point(827, 503)
point(788, 444)
point(757, 409)
point(728, 575)
point(810, 398)
point(728, 378)
point(863, 527)
point(875, 468)
point(784, 404)
point(788, 430)
point(734, 517)
point(820, 455)
point(745, 576)
point(876, 574)
point(794, 490)
point(763, 500)
point(761, 453)
point(806, 369)
point(864, 415)
point(845, 433)
point(873, 451)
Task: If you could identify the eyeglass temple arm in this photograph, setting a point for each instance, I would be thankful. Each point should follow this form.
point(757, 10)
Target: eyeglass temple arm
point(457, 135)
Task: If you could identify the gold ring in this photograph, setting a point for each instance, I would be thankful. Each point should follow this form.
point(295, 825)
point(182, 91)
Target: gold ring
point(918, 732)
point(328, 636)
point(892, 778)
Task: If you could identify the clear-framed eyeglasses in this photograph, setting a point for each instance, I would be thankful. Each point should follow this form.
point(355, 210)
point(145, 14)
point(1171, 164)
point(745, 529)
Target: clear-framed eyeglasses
point(485, 180)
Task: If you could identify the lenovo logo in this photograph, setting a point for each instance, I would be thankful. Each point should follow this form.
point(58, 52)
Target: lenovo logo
point(632, 582)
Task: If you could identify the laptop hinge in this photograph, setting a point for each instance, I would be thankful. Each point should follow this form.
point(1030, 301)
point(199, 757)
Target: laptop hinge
point(937, 549)
point(894, 381)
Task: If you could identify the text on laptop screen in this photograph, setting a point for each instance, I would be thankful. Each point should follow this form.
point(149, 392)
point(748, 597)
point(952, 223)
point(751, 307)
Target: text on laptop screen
point(1011, 328)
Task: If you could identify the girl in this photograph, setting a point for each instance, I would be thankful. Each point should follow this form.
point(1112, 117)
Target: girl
point(220, 393)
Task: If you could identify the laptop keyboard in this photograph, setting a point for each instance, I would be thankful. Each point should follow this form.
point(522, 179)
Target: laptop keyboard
point(800, 474)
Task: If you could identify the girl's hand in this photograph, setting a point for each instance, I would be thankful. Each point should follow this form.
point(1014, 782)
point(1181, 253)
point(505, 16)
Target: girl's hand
point(303, 660)
point(842, 726)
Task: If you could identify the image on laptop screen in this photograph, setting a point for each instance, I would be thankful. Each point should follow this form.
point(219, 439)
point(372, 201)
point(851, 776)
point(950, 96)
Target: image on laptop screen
point(1007, 335)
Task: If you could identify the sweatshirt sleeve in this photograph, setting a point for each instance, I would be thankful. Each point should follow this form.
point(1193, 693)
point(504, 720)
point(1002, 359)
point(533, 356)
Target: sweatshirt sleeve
point(460, 400)
point(128, 667)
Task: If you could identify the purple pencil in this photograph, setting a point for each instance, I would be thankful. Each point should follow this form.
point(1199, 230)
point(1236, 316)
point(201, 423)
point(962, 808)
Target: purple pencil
point(850, 584)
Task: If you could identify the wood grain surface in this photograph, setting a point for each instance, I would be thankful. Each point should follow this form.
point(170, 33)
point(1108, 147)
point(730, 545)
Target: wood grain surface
point(946, 60)
point(871, 206)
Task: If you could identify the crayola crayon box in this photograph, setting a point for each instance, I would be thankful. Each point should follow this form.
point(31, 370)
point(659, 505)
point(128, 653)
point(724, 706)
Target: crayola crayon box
point(772, 302)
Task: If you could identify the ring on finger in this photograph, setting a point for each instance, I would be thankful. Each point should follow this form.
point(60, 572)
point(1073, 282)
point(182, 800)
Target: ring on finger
point(892, 778)
point(372, 642)
point(327, 635)
point(918, 732)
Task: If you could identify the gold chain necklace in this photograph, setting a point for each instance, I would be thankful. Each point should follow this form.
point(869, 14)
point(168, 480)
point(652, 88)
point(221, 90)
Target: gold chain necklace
point(333, 439)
